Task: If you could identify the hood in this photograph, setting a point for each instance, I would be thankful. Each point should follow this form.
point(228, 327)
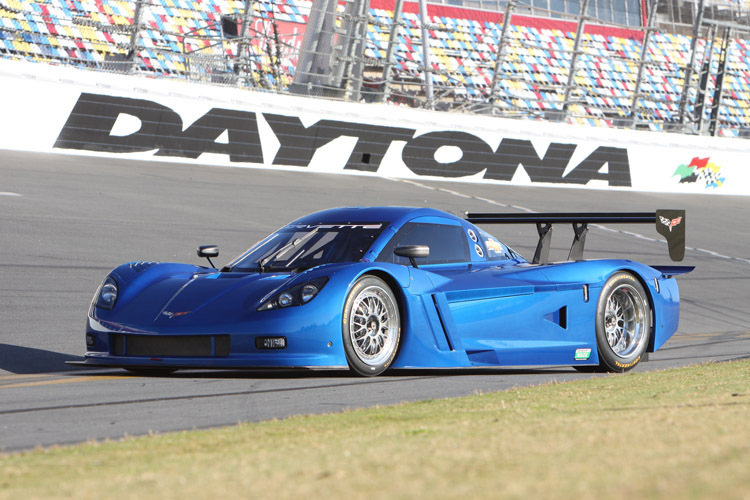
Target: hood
point(191, 295)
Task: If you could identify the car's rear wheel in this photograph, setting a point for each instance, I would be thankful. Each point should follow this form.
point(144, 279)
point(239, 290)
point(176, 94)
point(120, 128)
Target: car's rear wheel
point(623, 323)
point(371, 326)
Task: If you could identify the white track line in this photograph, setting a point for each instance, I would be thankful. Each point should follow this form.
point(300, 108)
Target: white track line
point(5, 193)
point(603, 228)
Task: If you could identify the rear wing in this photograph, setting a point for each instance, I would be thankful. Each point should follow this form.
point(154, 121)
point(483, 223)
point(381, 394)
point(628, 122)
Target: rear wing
point(669, 223)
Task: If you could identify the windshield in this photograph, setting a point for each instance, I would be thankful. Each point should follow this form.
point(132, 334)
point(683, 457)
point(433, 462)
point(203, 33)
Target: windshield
point(300, 246)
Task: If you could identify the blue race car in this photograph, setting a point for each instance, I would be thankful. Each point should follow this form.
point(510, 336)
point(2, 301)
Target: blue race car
point(372, 288)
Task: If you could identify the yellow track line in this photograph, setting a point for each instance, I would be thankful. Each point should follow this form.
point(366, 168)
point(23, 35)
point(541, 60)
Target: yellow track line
point(65, 381)
point(27, 375)
point(688, 337)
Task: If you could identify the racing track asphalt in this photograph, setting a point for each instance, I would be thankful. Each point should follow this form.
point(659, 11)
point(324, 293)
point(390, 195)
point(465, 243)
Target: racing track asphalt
point(65, 221)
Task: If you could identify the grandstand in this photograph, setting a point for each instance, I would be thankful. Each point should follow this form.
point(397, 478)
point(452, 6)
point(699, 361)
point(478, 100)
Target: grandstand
point(685, 70)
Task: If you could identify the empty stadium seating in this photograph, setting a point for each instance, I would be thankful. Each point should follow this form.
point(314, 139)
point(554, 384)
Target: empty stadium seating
point(533, 73)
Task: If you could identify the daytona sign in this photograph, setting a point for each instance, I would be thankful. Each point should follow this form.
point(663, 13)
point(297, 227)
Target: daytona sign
point(91, 126)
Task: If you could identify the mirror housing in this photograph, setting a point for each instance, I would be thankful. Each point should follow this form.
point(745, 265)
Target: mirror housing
point(208, 251)
point(412, 252)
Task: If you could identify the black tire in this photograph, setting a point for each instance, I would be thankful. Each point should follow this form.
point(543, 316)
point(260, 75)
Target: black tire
point(371, 326)
point(151, 372)
point(623, 323)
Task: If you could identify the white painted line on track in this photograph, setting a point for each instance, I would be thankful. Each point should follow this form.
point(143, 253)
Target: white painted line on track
point(6, 193)
point(85, 371)
point(598, 226)
point(692, 249)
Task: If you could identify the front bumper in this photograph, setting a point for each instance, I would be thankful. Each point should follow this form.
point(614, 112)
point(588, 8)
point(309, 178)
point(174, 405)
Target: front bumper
point(110, 344)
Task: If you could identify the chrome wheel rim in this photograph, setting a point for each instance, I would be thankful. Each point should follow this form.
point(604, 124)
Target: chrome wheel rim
point(373, 326)
point(625, 320)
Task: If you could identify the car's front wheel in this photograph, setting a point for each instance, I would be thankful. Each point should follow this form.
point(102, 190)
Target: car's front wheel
point(623, 323)
point(371, 326)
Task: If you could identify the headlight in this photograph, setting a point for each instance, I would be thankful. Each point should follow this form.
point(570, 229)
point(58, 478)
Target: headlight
point(285, 299)
point(308, 292)
point(295, 296)
point(107, 294)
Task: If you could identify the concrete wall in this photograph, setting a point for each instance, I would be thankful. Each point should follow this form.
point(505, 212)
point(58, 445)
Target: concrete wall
point(59, 109)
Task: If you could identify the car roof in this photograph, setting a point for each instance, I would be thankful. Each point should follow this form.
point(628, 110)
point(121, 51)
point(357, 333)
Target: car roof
point(396, 216)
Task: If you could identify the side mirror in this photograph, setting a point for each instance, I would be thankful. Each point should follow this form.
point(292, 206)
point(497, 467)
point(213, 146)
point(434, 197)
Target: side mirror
point(208, 251)
point(412, 252)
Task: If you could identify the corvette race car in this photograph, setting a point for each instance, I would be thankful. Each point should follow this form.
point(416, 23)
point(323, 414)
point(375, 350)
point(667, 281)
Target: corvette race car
point(372, 288)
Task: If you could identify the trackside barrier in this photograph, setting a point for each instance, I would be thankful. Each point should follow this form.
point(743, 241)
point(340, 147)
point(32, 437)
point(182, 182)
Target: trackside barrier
point(65, 110)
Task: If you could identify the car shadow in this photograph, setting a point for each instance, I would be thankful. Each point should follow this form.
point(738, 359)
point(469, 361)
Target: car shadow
point(306, 373)
point(24, 360)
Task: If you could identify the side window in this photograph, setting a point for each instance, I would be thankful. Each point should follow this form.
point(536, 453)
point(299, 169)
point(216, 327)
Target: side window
point(447, 243)
point(495, 249)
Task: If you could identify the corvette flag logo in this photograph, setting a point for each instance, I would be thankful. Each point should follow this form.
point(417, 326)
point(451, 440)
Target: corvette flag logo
point(670, 223)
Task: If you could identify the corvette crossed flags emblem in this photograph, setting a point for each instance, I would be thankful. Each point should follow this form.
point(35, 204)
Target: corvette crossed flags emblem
point(670, 223)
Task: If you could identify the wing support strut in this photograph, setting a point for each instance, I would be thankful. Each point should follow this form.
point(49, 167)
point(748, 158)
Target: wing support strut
point(579, 240)
point(545, 239)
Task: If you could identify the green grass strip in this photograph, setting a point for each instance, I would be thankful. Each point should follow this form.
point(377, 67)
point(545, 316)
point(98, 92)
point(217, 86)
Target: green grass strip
point(677, 434)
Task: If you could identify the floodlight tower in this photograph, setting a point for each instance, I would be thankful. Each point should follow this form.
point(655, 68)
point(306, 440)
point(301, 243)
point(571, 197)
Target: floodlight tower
point(136, 29)
point(331, 59)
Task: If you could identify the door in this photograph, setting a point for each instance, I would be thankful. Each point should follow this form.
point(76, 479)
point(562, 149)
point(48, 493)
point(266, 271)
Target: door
point(490, 304)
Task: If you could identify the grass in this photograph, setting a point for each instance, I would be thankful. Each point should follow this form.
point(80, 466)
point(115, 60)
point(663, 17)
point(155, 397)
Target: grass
point(679, 433)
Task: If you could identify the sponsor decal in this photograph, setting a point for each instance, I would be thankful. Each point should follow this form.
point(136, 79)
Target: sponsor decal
point(139, 266)
point(235, 133)
point(472, 235)
point(335, 226)
point(670, 223)
point(493, 246)
point(478, 250)
point(582, 354)
point(701, 171)
point(628, 365)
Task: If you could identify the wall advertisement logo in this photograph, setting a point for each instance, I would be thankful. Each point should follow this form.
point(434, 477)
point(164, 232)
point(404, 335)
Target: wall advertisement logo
point(702, 171)
point(163, 132)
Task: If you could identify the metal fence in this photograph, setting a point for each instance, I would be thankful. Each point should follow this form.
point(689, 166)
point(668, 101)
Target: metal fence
point(692, 79)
